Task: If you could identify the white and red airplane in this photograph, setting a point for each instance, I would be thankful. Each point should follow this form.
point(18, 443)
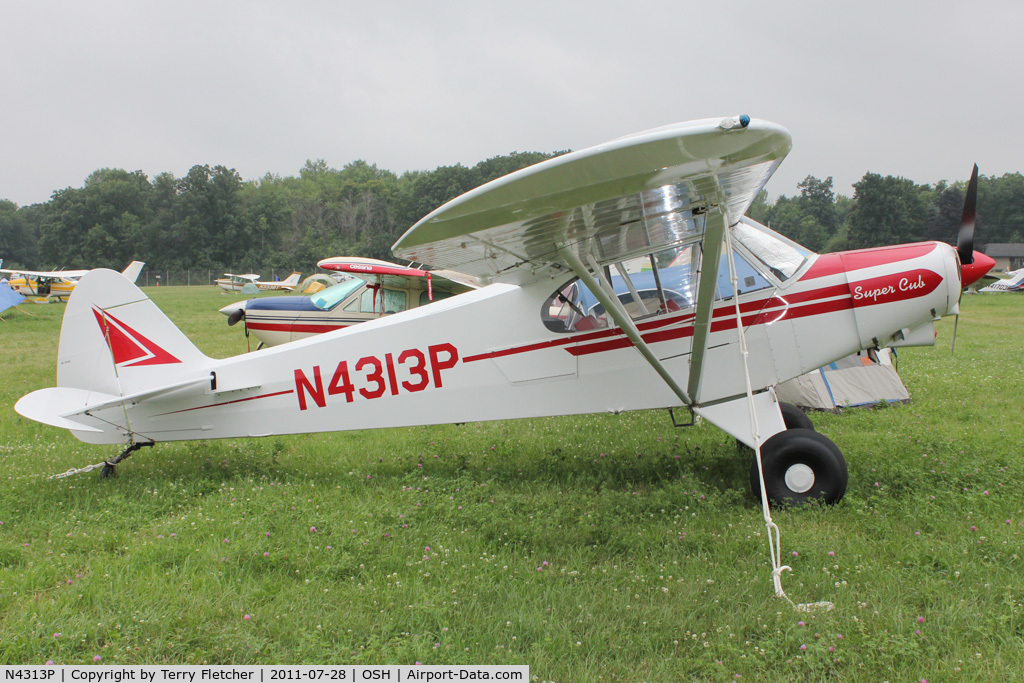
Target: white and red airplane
point(1014, 282)
point(378, 288)
point(522, 346)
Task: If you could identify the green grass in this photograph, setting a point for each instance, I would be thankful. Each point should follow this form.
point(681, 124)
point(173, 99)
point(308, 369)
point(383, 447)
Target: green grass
point(591, 548)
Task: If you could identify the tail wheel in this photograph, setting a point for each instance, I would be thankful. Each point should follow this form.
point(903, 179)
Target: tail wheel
point(800, 466)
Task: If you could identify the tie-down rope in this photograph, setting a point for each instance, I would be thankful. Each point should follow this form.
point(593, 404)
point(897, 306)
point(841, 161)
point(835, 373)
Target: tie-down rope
point(774, 536)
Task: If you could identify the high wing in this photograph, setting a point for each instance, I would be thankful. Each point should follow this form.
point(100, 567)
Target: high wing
point(579, 213)
point(399, 277)
point(626, 197)
point(131, 272)
point(57, 274)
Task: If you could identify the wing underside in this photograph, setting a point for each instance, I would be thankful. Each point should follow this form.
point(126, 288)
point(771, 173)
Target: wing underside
point(628, 197)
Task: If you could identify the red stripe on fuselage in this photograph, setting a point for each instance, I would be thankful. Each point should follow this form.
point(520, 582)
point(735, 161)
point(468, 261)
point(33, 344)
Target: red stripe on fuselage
point(227, 403)
point(790, 307)
point(291, 327)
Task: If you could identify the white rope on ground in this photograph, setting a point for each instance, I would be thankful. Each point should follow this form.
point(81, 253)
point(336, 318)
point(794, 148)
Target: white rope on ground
point(774, 536)
point(80, 470)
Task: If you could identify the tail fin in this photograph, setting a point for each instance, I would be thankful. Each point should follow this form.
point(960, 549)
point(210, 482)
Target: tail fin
point(116, 349)
point(116, 341)
point(292, 280)
point(133, 270)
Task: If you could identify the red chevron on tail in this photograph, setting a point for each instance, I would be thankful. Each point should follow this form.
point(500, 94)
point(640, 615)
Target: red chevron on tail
point(128, 346)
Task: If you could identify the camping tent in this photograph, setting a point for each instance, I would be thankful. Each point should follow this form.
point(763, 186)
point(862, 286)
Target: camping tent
point(864, 379)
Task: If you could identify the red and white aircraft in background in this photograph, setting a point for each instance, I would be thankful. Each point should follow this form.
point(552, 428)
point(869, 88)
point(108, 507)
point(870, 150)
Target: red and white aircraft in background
point(753, 310)
point(378, 288)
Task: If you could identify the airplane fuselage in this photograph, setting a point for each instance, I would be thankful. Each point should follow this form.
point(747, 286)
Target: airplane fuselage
point(487, 355)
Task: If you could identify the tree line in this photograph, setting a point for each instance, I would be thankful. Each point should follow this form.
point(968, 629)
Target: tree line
point(213, 219)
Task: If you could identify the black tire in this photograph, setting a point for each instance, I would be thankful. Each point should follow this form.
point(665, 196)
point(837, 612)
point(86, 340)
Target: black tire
point(794, 417)
point(790, 458)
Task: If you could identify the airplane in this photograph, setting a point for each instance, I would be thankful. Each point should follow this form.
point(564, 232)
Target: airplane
point(378, 288)
point(317, 282)
point(126, 375)
point(234, 283)
point(1014, 282)
point(56, 283)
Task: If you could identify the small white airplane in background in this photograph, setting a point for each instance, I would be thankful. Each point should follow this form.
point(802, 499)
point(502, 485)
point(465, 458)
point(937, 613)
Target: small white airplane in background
point(58, 284)
point(234, 283)
point(523, 346)
point(1014, 282)
point(378, 288)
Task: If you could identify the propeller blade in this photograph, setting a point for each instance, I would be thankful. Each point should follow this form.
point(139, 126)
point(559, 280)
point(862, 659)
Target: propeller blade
point(965, 240)
point(237, 315)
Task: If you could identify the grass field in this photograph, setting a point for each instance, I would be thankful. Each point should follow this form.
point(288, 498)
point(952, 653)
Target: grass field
point(591, 548)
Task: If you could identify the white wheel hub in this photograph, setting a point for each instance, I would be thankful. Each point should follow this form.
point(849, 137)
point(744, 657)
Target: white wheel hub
point(799, 478)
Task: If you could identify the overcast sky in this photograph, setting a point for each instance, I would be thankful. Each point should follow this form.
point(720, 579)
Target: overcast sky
point(917, 89)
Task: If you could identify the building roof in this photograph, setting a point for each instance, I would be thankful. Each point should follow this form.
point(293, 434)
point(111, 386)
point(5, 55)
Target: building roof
point(1005, 249)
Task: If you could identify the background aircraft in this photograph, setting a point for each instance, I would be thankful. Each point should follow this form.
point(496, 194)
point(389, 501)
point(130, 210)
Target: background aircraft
point(56, 283)
point(235, 283)
point(376, 288)
point(1014, 282)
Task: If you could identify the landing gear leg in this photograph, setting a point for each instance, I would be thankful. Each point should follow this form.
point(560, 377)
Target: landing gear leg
point(110, 466)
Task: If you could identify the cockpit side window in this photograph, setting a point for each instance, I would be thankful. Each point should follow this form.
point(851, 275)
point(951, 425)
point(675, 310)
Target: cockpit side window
point(382, 300)
point(747, 278)
point(438, 295)
point(662, 283)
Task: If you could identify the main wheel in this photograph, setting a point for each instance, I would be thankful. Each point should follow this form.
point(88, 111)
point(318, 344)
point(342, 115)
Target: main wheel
point(800, 466)
point(794, 417)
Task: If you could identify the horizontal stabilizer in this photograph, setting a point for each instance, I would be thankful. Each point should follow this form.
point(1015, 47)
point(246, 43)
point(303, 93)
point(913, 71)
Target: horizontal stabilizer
point(53, 406)
point(59, 406)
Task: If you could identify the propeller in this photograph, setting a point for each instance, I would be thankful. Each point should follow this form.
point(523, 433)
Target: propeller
point(965, 240)
point(965, 248)
point(235, 316)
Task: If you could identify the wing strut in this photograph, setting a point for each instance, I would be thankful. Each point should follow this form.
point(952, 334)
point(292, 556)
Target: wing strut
point(614, 308)
point(714, 237)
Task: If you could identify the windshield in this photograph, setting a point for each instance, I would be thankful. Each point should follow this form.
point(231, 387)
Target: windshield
point(328, 298)
point(782, 257)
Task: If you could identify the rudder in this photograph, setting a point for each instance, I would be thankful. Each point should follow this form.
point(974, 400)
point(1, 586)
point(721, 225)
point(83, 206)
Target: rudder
point(115, 340)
